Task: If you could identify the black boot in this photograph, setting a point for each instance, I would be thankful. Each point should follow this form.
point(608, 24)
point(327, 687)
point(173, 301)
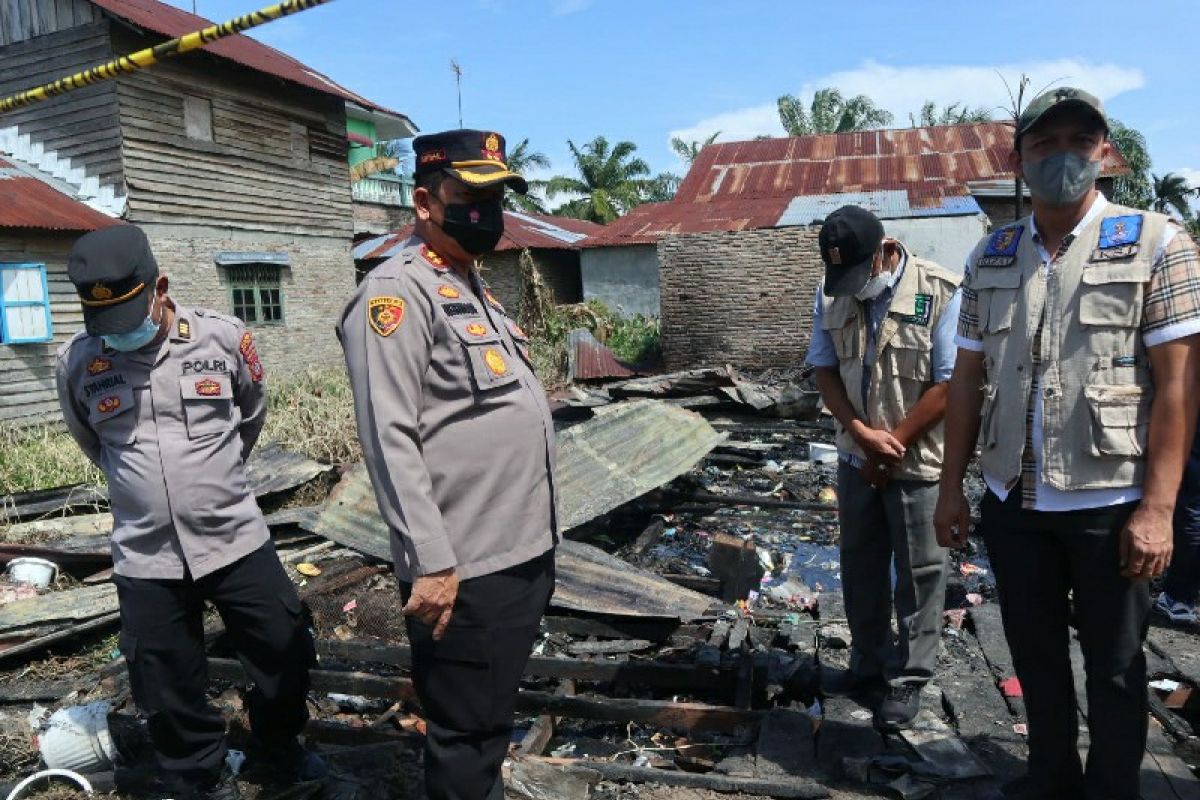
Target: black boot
point(898, 708)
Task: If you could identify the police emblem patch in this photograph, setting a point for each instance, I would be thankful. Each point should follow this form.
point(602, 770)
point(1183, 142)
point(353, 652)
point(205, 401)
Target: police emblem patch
point(436, 261)
point(208, 388)
point(99, 366)
point(1119, 237)
point(495, 362)
point(449, 292)
point(491, 148)
point(101, 292)
point(475, 329)
point(385, 314)
point(922, 311)
point(110, 403)
point(1001, 250)
point(250, 355)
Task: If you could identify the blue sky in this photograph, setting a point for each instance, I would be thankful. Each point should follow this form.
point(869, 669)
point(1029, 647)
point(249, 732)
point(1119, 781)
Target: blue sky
point(643, 70)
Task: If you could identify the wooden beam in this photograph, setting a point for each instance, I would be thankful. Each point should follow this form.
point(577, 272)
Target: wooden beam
point(677, 716)
point(97, 624)
point(770, 787)
point(366, 684)
point(542, 731)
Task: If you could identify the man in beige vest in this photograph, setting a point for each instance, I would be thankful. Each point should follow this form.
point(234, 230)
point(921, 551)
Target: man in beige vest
point(1076, 371)
point(883, 346)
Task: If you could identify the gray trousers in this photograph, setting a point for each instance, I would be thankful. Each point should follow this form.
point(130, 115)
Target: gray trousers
point(879, 526)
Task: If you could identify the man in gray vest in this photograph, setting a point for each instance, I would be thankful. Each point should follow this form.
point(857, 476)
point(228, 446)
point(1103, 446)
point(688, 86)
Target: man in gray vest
point(1076, 372)
point(883, 346)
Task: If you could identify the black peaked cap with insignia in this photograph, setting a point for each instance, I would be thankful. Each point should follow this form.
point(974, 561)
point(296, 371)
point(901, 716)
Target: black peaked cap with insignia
point(477, 158)
point(113, 269)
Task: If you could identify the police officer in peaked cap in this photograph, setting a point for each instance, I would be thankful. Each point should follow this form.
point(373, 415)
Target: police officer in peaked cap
point(168, 402)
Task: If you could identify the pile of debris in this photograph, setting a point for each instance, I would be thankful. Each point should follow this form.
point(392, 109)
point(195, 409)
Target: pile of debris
point(698, 597)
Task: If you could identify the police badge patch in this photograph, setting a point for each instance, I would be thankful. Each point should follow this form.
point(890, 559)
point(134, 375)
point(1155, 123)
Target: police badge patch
point(1119, 237)
point(1001, 250)
point(385, 314)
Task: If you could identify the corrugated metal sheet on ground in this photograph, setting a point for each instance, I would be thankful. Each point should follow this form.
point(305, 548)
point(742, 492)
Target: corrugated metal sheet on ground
point(626, 451)
point(589, 360)
point(172, 22)
point(26, 202)
point(521, 231)
point(885, 204)
point(736, 186)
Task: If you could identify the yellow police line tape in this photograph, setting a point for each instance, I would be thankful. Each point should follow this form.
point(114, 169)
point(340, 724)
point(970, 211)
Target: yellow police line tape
point(151, 55)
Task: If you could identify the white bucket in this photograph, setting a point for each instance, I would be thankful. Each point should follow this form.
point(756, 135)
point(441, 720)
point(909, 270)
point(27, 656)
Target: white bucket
point(822, 453)
point(77, 738)
point(38, 571)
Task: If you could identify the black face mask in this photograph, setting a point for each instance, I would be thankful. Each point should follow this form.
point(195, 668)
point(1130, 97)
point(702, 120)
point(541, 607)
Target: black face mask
point(477, 227)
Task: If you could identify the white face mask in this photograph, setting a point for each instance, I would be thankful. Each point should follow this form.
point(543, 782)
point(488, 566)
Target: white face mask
point(876, 285)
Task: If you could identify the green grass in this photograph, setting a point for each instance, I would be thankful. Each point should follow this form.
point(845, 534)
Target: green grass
point(40, 458)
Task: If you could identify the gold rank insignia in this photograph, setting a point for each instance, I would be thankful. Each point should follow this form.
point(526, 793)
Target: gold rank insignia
point(99, 366)
point(208, 388)
point(475, 329)
point(185, 329)
point(434, 259)
point(108, 404)
point(495, 362)
point(449, 292)
point(101, 292)
point(385, 314)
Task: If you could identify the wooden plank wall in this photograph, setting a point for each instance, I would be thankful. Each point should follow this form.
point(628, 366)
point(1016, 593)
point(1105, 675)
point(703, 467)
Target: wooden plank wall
point(82, 125)
point(26, 19)
point(276, 160)
point(27, 393)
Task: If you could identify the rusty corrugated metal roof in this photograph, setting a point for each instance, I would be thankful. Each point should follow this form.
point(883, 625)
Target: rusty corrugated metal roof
point(744, 185)
point(521, 231)
point(172, 22)
point(26, 202)
point(589, 360)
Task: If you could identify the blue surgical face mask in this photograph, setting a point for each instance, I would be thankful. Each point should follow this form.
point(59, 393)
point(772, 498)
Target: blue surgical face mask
point(135, 339)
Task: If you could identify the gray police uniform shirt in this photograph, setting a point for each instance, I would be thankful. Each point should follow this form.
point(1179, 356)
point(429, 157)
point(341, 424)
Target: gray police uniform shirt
point(454, 424)
point(171, 427)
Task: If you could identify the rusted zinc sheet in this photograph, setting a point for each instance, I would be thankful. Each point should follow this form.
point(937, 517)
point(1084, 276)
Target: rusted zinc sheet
point(624, 452)
point(272, 469)
point(73, 605)
point(589, 360)
point(44, 502)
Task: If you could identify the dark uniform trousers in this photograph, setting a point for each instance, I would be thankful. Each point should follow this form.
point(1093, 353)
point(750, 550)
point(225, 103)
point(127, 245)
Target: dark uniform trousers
point(162, 639)
point(1038, 558)
point(468, 681)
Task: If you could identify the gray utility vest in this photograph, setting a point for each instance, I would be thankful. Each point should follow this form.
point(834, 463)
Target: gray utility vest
point(1096, 385)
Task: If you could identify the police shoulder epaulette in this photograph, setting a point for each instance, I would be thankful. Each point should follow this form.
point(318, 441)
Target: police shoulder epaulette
point(1119, 237)
point(208, 313)
point(1001, 248)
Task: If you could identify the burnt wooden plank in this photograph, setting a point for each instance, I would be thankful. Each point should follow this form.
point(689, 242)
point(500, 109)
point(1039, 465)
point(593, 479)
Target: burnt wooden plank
point(770, 787)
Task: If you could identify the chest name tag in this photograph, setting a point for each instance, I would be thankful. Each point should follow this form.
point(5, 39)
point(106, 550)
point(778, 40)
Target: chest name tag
point(922, 311)
point(460, 309)
point(1119, 237)
point(1001, 250)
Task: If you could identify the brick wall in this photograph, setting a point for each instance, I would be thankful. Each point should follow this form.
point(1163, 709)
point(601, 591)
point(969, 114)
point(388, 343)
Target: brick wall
point(376, 219)
point(315, 287)
point(559, 270)
point(743, 298)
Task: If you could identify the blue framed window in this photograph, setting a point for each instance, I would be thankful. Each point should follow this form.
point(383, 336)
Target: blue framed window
point(24, 304)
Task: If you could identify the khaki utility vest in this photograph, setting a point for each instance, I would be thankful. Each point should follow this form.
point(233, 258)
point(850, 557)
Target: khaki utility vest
point(903, 368)
point(1095, 382)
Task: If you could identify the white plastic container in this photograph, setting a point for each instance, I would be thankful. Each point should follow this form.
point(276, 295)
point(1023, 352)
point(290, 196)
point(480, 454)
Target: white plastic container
point(77, 738)
point(37, 571)
point(820, 453)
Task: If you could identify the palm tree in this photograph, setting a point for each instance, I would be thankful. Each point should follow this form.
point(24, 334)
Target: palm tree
point(521, 160)
point(689, 150)
point(611, 181)
point(1134, 189)
point(953, 114)
point(830, 112)
point(1171, 191)
point(660, 188)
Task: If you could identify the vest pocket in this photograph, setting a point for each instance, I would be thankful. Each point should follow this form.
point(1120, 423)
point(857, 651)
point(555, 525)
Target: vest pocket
point(1120, 419)
point(113, 416)
point(1111, 294)
point(490, 367)
point(999, 305)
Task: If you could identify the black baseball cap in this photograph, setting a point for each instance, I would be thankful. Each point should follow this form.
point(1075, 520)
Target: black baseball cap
point(849, 238)
point(1055, 99)
point(112, 270)
point(477, 158)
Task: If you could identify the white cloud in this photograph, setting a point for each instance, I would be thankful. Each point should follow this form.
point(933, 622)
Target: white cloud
point(903, 90)
point(561, 8)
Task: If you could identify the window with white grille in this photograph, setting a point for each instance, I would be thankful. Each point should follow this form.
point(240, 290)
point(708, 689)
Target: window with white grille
point(24, 304)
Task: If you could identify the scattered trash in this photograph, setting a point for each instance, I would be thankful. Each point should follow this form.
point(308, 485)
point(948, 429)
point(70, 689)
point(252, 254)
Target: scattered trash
point(972, 569)
point(38, 572)
point(820, 453)
point(76, 738)
point(827, 496)
point(308, 570)
point(1011, 687)
point(1021, 729)
point(955, 617)
point(235, 760)
point(1165, 685)
point(974, 598)
point(20, 789)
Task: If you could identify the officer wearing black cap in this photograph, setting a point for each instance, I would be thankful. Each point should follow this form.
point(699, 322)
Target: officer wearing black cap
point(459, 445)
point(1076, 375)
point(883, 348)
point(168, 401)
